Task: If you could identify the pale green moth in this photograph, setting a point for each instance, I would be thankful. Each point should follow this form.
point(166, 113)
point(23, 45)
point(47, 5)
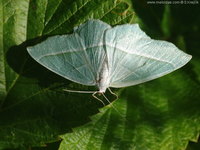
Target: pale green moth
point(96, 54)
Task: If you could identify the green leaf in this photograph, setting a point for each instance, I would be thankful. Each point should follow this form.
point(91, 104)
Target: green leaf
point(33, 108)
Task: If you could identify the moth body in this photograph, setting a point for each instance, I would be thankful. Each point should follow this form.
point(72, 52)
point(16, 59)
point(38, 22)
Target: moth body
point(104, 80)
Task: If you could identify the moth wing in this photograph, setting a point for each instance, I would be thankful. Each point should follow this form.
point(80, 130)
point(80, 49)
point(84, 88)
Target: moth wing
point(73, 56)
point(136, 58)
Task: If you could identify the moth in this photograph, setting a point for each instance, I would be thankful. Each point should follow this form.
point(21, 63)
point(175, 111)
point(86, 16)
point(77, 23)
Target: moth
point(96, 54)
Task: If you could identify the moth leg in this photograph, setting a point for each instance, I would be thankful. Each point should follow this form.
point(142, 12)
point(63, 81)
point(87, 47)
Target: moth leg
point(113, 105)
point(98, 98)
point(113, 94)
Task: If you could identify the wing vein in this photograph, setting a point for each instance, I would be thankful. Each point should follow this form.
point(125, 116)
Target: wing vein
point(133, 53)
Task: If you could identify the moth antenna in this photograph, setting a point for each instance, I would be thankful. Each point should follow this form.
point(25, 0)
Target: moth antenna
point(74, 91)
point(98, 98)
point(113, 94)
